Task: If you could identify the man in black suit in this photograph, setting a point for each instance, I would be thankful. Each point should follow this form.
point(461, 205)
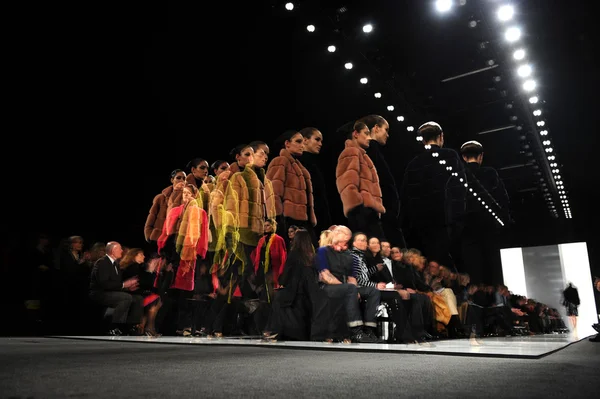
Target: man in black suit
point(433, 197)
point(480, 253)
point(107, 288)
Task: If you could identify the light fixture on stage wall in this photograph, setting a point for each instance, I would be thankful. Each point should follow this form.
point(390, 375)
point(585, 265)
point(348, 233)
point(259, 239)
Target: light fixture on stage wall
point(443, 5)
point(368, 28)
point(529, 85)
point(331, 49)
point(537, 112)
point(544, 133)
point(364, 81)
point(400, 118)
point(377, 95)
point(505, 13)
point(390, 108)
point(519, 54)
point(289, 6)
point(524, 71)
point(512, 34)
point(348, 65)
point(533, 100)
point(310, 28)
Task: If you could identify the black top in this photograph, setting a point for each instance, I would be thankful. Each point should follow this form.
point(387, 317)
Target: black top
point(106, 276)
point(430, 194)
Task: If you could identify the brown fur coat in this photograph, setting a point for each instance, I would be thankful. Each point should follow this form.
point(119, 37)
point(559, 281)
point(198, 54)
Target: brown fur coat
point(292, 187)
point(357, 180)
point(157, 215)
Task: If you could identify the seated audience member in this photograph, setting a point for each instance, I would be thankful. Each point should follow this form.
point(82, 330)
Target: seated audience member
point(107, 288)
point(291, 307)
point(335, 266)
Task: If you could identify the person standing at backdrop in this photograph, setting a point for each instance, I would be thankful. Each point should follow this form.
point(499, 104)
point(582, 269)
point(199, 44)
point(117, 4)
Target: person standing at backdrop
point(313, 143)
point(380, 129)
point(292, 186)
point(358, 184)
point(433, 197)
point(480, 255)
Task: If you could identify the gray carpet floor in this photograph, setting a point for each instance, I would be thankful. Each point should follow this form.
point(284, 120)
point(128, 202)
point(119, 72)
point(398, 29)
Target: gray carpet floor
point(62, 368)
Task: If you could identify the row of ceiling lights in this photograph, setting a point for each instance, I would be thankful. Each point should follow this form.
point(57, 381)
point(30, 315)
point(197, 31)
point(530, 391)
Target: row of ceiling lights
point(505, 13)
point(368, 28)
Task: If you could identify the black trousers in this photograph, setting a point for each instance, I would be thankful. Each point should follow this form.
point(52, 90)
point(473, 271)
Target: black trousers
point(436, 245)
point(399, 315)
point(480, 255)
point(128, 308)
point(368, 223)
point(392, 231)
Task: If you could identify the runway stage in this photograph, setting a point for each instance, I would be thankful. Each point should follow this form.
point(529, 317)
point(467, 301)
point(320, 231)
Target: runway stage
point(37, 367)
point(525, 347)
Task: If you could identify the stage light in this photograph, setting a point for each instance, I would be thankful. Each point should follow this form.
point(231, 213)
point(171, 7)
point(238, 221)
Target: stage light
point(491, 62)
point(411, 129)
point(505, 13)
point(331, 49)
point(472, 23)
point(546, 142)
point(377, 95)
point(529, 85)
point(533, 100)
point(524, 71)
point(310, 28)
point(364, 81)
point(348, 65)
point(443, 5)
point(549, 149)
point(551, 158)
point(400, 119)
point(544, 133)
point(541, 123)
point(519, 54)
point(512, 34)
point(289, 6)
point(537, 112)
point(390, 107)
point(368, 28)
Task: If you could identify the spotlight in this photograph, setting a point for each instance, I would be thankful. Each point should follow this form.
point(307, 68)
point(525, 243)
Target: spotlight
point(289, 6)
point(519, 54)
point(443, 5)
point(411, 129)
point(544, 133)
point(348, 65)
point(472, 24)
point(537, 112)
point(390, 108)
point(533, 100)
point(491, 62)
point(368, 28)
point(331, 49)
point(529, 85)
point(310, 28)
point(524, 71)
point(512, 34)
point(364, 81)
point(377, 95)
point(541, 123)
point(400, 119)
point(505, 13)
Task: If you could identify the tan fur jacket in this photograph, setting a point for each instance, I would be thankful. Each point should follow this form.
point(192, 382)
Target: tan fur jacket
point(292, 186)
point(157, 215)
point(250, 202)
point(357, 180)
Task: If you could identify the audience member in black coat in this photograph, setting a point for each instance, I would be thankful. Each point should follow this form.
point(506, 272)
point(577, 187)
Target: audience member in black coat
point(107, 288)
point(433, 197)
